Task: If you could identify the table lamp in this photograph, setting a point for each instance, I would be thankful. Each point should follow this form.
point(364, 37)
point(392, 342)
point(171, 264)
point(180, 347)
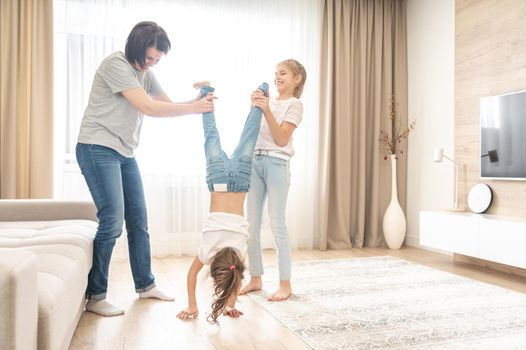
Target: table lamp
point(438, 157)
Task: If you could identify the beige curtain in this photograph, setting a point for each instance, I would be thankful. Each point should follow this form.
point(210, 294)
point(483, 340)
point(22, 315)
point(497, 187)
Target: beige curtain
point(26, 98)
point(363, 63)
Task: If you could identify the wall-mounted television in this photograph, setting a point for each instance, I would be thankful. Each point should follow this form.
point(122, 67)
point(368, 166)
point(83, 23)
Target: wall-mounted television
point(503, 136)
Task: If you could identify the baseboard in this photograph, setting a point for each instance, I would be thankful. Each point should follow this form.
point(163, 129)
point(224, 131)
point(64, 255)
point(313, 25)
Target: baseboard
point(177, 244)
point(489, 264)
point(412, 241)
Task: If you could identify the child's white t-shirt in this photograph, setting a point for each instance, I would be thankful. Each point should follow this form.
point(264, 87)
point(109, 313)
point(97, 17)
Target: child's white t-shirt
point(289, 110)
point(222, 230)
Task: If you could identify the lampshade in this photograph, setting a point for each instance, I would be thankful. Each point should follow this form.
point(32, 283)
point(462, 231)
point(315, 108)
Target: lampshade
point(493, 156)
point(438, 155)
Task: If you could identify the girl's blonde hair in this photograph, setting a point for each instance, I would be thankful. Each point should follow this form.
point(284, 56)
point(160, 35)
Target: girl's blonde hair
point(296, 68)
point(226, 269)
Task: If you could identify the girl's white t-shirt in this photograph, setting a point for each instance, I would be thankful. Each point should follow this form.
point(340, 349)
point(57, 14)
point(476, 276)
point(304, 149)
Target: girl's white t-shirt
point(289, 110)
point(222, 230)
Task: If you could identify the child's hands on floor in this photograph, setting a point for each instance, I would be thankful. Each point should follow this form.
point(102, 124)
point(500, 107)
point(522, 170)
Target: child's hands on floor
point(189, 312)
point(232, 312)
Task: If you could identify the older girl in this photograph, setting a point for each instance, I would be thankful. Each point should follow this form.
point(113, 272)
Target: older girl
point(271, 173)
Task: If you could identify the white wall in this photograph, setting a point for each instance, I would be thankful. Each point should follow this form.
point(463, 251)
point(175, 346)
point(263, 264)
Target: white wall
point(431, 67)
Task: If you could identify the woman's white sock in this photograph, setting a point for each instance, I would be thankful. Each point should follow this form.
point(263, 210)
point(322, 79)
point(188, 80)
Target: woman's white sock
point(103, 308)
point(156, 293)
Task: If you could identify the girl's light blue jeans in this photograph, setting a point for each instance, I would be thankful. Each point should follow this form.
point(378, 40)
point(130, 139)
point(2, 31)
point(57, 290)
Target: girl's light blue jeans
point(116, 186)
point(232, 173)
point(270, 178)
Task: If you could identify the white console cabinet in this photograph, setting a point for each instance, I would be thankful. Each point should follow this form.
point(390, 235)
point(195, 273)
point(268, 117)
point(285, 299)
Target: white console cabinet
point(490, 237)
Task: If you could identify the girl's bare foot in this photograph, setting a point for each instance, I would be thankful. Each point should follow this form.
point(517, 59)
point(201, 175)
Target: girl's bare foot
point(200, 84)
point(283, 292)
point(254, 284)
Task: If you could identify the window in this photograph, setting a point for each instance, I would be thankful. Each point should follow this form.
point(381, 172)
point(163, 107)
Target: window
point(235, 45)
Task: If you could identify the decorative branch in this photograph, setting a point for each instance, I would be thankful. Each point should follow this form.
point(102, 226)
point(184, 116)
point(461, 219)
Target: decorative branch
point(391, 144)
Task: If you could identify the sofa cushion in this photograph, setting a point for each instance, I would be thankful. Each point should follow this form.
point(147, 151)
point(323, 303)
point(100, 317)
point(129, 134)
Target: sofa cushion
point(33, 229)
point(18, 299)
point(78, 233)
point(64, 251)
point(58, 237)
point(62, 281)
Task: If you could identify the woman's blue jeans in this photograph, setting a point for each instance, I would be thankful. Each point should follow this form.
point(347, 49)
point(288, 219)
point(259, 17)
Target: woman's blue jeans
point(233, 173)
point(116, 186)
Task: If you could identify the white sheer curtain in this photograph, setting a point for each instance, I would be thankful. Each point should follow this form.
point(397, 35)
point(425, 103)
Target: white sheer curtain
point(235, 44)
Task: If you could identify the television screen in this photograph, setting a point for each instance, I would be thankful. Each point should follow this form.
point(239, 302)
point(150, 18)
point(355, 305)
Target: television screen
point(503, 136)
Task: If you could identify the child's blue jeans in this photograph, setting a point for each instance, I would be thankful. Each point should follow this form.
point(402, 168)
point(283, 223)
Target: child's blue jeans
point(224, 173)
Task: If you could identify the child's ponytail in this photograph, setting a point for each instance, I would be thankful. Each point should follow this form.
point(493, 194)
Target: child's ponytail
point(226, 270)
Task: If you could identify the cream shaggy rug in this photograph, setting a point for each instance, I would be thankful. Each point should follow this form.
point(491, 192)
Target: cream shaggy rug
point(388, 303)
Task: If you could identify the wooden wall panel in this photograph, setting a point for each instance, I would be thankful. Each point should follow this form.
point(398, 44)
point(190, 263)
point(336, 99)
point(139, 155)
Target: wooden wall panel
point(490, 59)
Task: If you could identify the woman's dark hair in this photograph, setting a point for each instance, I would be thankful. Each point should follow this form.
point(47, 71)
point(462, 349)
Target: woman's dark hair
point(143, 36)
point(226, 269)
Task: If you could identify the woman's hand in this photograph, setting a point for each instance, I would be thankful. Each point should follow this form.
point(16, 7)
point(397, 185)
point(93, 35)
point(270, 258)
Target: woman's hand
point(232, 312)
point(260, 100)
point(198, 85)
point(189, 312)
point(205, 104)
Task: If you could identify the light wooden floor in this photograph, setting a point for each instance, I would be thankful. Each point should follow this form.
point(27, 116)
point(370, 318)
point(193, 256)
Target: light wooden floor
point(150, 324)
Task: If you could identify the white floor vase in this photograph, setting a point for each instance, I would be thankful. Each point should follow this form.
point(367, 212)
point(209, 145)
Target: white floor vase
point(394, 224)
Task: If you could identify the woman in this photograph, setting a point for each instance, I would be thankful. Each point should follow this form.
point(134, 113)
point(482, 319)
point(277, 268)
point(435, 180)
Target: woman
point(123, 91)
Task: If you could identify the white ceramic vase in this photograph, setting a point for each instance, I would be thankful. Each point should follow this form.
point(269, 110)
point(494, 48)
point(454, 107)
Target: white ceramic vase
point(394, 224)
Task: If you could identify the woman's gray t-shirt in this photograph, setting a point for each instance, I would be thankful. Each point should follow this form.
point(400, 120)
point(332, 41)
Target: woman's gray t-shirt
point(110, 119)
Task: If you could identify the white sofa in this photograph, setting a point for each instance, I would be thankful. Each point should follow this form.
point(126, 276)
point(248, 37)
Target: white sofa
point(46, 251)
